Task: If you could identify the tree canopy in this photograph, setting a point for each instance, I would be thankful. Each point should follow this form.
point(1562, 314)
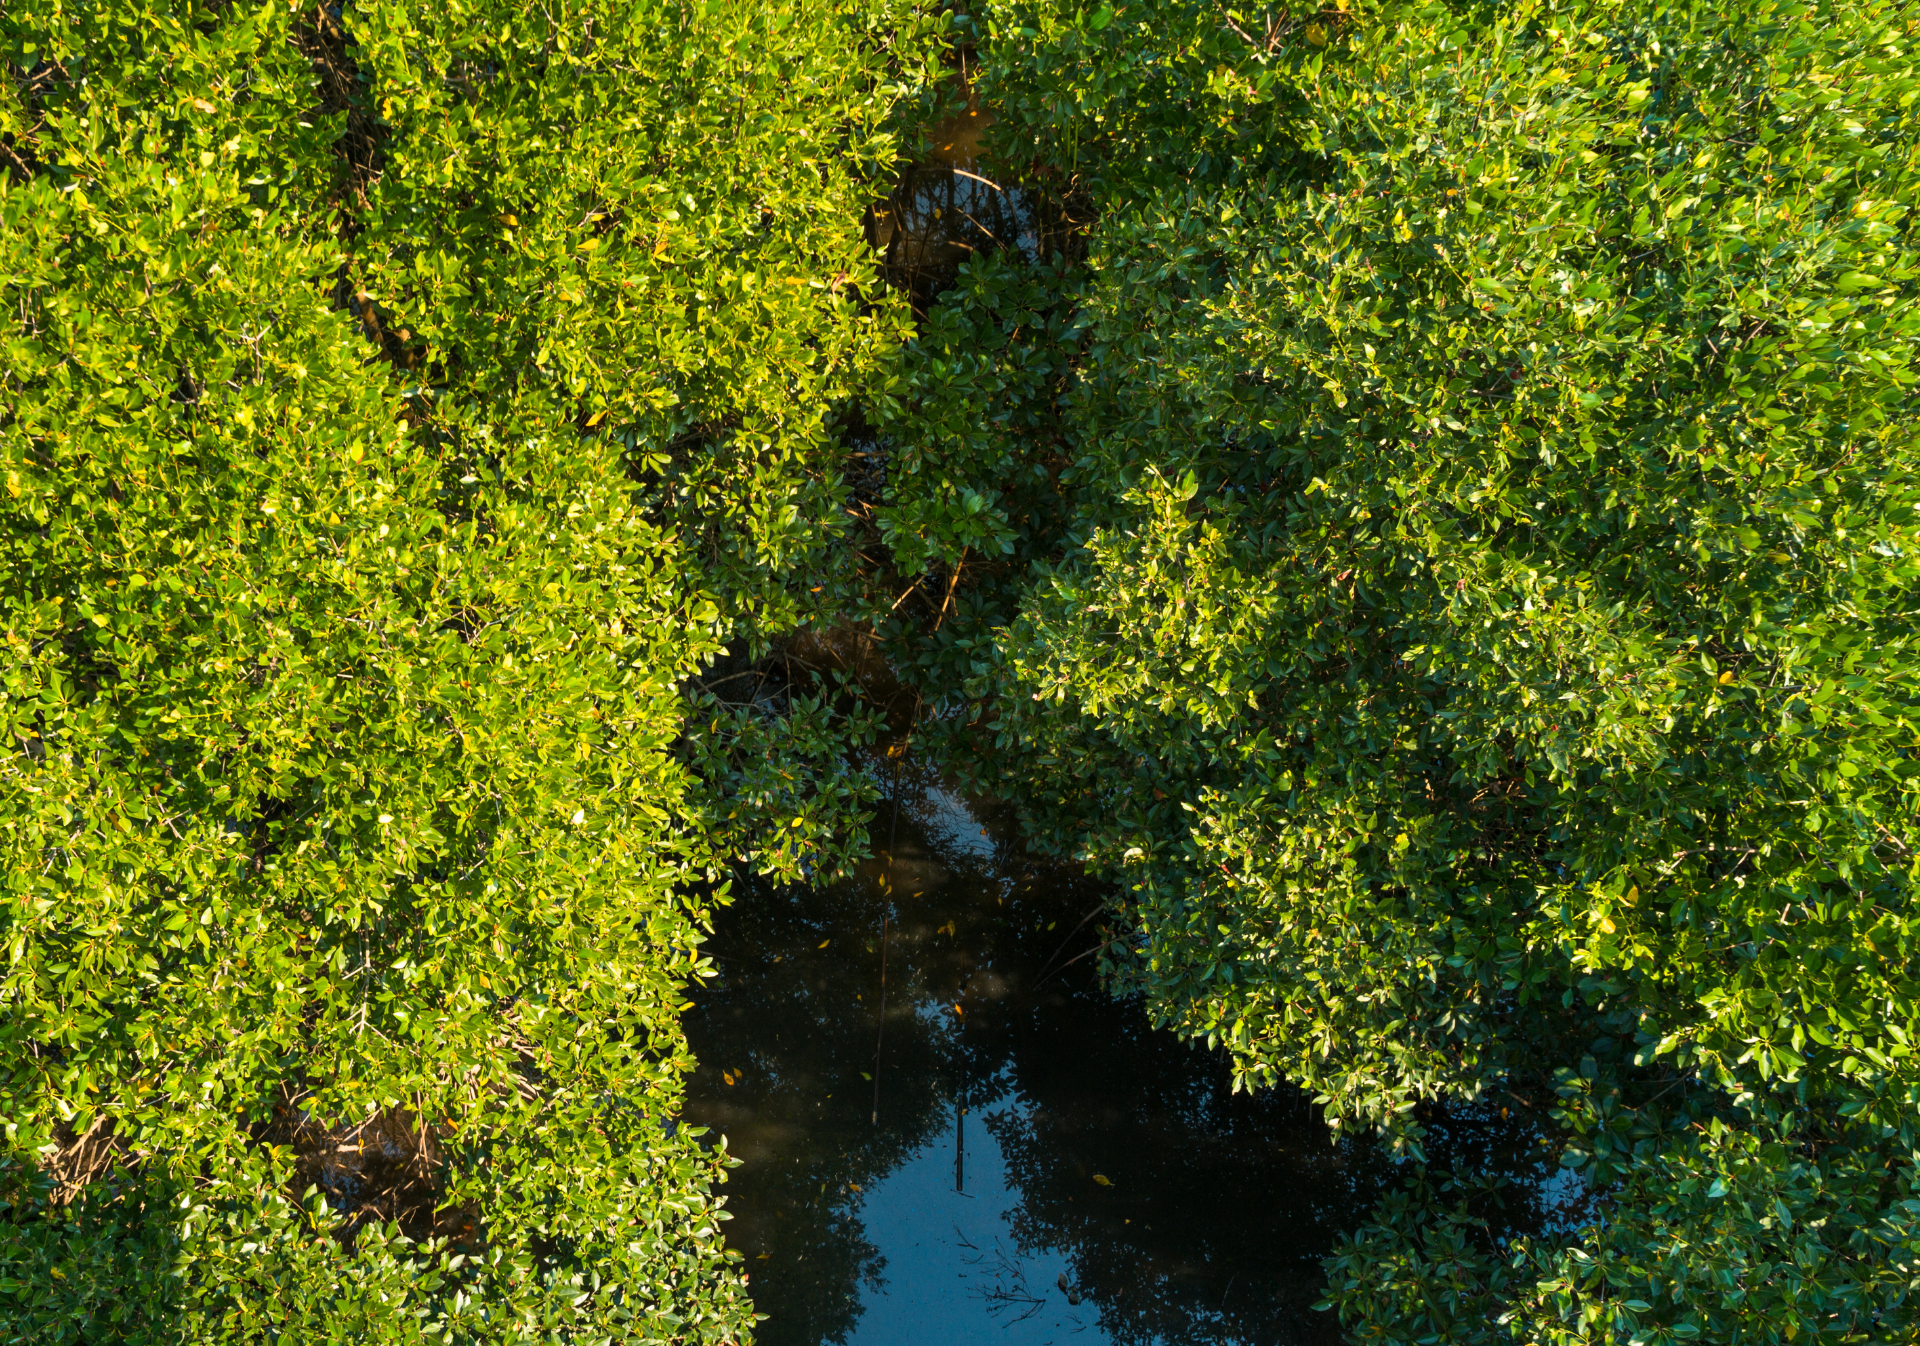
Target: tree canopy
point(1435, 527)
point(1472, 613)
point(402, 404)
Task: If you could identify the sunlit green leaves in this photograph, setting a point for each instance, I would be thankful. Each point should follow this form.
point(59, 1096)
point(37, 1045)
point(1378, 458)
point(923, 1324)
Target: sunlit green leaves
point(400, 407)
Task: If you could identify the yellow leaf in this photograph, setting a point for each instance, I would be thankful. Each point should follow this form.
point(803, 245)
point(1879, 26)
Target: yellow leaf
point(1725, 678)
point(202, 105)
point(595, 419)
point(823, 943)
point(1103, 1179)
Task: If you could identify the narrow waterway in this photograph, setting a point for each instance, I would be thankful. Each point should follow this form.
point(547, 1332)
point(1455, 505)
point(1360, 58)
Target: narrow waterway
point(1006, 1153)
point(949, 1131)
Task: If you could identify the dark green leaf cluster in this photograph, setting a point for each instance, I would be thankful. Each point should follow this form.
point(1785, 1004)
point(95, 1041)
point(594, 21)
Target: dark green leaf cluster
point(1476, 620)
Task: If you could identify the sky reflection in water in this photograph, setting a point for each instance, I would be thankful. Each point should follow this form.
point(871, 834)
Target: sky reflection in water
point(954, 1273)
point(1103, 1162)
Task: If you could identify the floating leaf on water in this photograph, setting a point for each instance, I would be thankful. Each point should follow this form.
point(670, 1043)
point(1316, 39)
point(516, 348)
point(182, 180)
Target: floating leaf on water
point(1103, 1179)
point(823, 943)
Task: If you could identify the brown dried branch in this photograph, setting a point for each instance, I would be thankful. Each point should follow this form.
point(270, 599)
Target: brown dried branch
point(82, 1158)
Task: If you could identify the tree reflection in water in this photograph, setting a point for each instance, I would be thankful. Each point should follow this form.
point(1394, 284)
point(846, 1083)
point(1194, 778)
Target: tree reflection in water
point(1183, 1213)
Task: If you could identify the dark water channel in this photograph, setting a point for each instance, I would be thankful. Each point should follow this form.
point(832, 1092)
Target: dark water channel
point(1033, 1163)
point(1005, 1153)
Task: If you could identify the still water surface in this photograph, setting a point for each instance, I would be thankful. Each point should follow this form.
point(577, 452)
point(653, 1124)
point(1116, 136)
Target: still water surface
point(1016, 1156)
point(955, 203)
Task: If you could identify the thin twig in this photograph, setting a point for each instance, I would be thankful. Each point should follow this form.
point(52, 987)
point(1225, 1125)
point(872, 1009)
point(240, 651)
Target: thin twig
point(952, 580)
point(977, 178)
point(976, 224)
point(1071, 933)
point(743, 673)
point(1098, 948)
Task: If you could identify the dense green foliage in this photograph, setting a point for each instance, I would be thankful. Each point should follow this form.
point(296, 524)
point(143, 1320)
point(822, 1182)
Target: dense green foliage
point(1444, 545)
point(1449, 553)
point(401, 406)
